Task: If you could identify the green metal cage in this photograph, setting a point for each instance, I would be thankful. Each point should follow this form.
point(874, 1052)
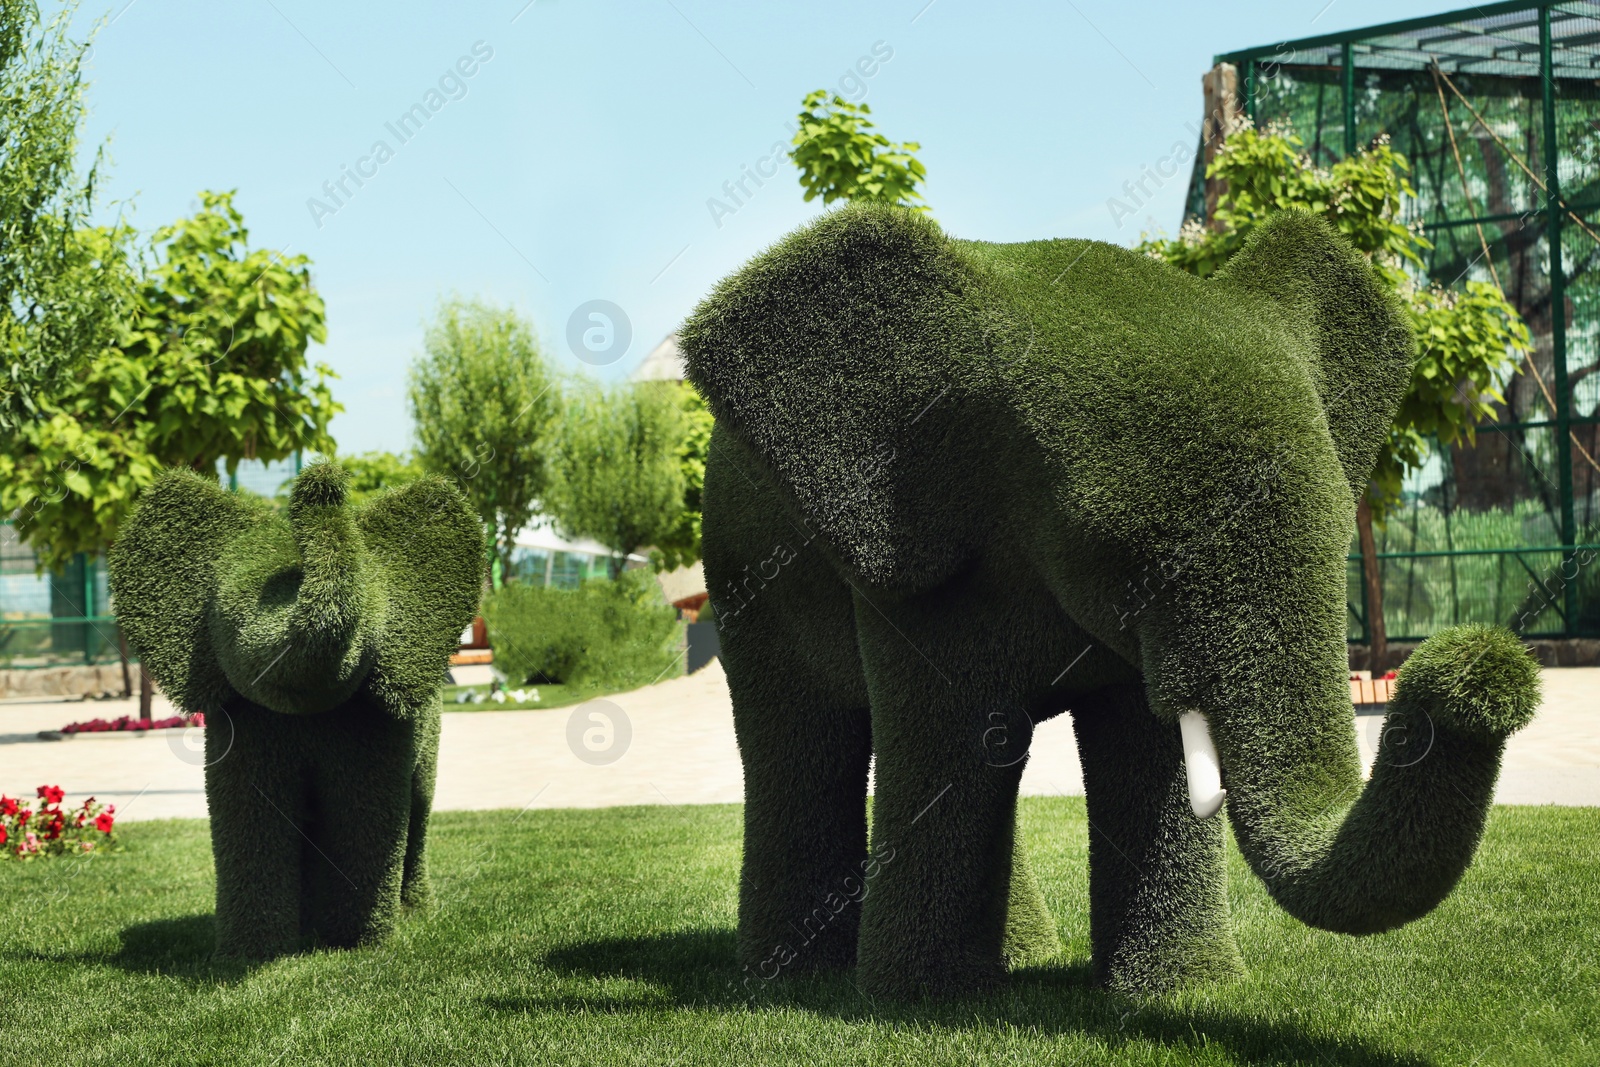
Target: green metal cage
point(1498, 111)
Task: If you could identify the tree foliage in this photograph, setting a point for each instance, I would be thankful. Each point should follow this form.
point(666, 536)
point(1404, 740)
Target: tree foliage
point(371, 473)
point(1468, 341)
point(209, 366)
point(60, 293)
point(842, 156)
point(618, 469)
point(484, 404)
point(681, 547)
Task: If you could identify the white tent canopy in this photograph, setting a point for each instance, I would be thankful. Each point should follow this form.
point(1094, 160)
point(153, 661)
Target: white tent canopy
point(540, 535)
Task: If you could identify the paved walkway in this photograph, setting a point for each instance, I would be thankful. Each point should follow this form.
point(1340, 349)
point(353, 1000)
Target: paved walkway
point(671, 743)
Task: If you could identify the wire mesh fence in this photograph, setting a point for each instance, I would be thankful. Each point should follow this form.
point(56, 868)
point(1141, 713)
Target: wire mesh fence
point(1497, 110)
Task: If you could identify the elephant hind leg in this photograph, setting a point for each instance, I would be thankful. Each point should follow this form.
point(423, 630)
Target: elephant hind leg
point(800, 711)
point(1031, 936)
point(1158, 908)
point(414, 888)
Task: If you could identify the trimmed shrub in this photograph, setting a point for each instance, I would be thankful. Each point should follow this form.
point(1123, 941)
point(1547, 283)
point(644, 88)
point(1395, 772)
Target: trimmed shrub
point(604, 634)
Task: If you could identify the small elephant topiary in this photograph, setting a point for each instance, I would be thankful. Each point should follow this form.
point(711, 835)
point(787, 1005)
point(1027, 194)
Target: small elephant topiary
point(956, 488)
point(316, 643)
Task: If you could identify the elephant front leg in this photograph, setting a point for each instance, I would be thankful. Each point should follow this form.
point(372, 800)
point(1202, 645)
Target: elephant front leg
point(934, 920)
point(364, 792)
point(1158, 908)
point(255, 795)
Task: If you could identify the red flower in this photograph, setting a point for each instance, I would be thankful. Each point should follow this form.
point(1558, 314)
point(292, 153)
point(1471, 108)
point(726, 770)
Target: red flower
point(103, 822)
point(4, 834)
point(52, 794)
point(22, 820)
point(7, 806)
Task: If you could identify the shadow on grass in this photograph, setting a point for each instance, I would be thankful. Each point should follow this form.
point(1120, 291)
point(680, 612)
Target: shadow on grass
point(695, 969)
point(182, 948)
point(173, 947)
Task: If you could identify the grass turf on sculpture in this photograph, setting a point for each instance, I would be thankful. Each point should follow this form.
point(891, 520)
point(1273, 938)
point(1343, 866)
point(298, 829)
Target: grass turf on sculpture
point(316, 644)
point(956, 488)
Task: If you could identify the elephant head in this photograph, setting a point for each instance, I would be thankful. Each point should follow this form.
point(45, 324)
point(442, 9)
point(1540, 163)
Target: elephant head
point(221, 594)
point(1176, 460)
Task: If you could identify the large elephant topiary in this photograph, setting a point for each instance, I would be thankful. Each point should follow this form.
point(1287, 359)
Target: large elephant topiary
point(956, 488)
point(316, 644)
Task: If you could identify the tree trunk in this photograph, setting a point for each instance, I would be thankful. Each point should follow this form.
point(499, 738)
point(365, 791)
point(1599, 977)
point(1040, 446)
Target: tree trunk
point(1377, 639)
point(122, 653)
point(146, 692)
point(1220, 88)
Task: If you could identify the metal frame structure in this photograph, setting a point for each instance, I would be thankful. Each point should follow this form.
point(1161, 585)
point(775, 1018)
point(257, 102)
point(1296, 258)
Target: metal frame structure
point(1497, 108)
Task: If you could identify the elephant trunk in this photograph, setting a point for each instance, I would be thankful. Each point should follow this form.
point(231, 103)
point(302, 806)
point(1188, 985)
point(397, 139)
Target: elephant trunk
point(298, 612)
point(1362, 858)
point(328, 606)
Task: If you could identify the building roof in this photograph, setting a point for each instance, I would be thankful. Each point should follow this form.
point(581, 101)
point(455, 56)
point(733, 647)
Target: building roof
point(663, 364)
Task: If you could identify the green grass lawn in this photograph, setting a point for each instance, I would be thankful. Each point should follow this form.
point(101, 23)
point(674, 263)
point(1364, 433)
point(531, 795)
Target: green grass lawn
point(599, 937)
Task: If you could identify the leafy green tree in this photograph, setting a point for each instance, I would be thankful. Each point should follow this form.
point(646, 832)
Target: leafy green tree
point(61, 288)
point(210, 366)
point(1469, 342)
point(618, 475)
point(842, 156)
point(681, 547)
point(484, 404)
point(371, 473)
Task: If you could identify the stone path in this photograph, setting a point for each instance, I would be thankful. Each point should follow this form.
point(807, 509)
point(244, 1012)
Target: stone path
point(672, 743)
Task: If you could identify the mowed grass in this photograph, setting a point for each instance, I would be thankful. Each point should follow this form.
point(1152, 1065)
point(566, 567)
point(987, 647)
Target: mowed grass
point(606, 937)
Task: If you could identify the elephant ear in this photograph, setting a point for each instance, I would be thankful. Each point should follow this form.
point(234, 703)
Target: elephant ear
point(427, 547)
point(163, 579)
point(1362, 345)
point(833, 356)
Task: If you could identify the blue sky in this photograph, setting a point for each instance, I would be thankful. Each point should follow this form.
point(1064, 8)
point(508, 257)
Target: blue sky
point(576, 161)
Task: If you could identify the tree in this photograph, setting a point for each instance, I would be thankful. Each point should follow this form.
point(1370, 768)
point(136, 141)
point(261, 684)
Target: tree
point(484, 406)
point(370, 473)
point(841, 156)
point(209, 367)
point(618, 475)
point(60, 291)
point(681, 547)
point(1469, 342)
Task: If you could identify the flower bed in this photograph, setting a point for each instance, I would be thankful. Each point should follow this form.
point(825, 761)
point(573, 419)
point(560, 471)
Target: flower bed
point(30, 829)
point(128, 724)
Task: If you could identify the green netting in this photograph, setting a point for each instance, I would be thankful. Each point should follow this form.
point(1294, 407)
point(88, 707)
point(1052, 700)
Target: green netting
point(52, 620)
point(1498, 111)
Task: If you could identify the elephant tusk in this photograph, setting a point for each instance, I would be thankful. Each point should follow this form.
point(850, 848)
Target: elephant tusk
point(1201, 766)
